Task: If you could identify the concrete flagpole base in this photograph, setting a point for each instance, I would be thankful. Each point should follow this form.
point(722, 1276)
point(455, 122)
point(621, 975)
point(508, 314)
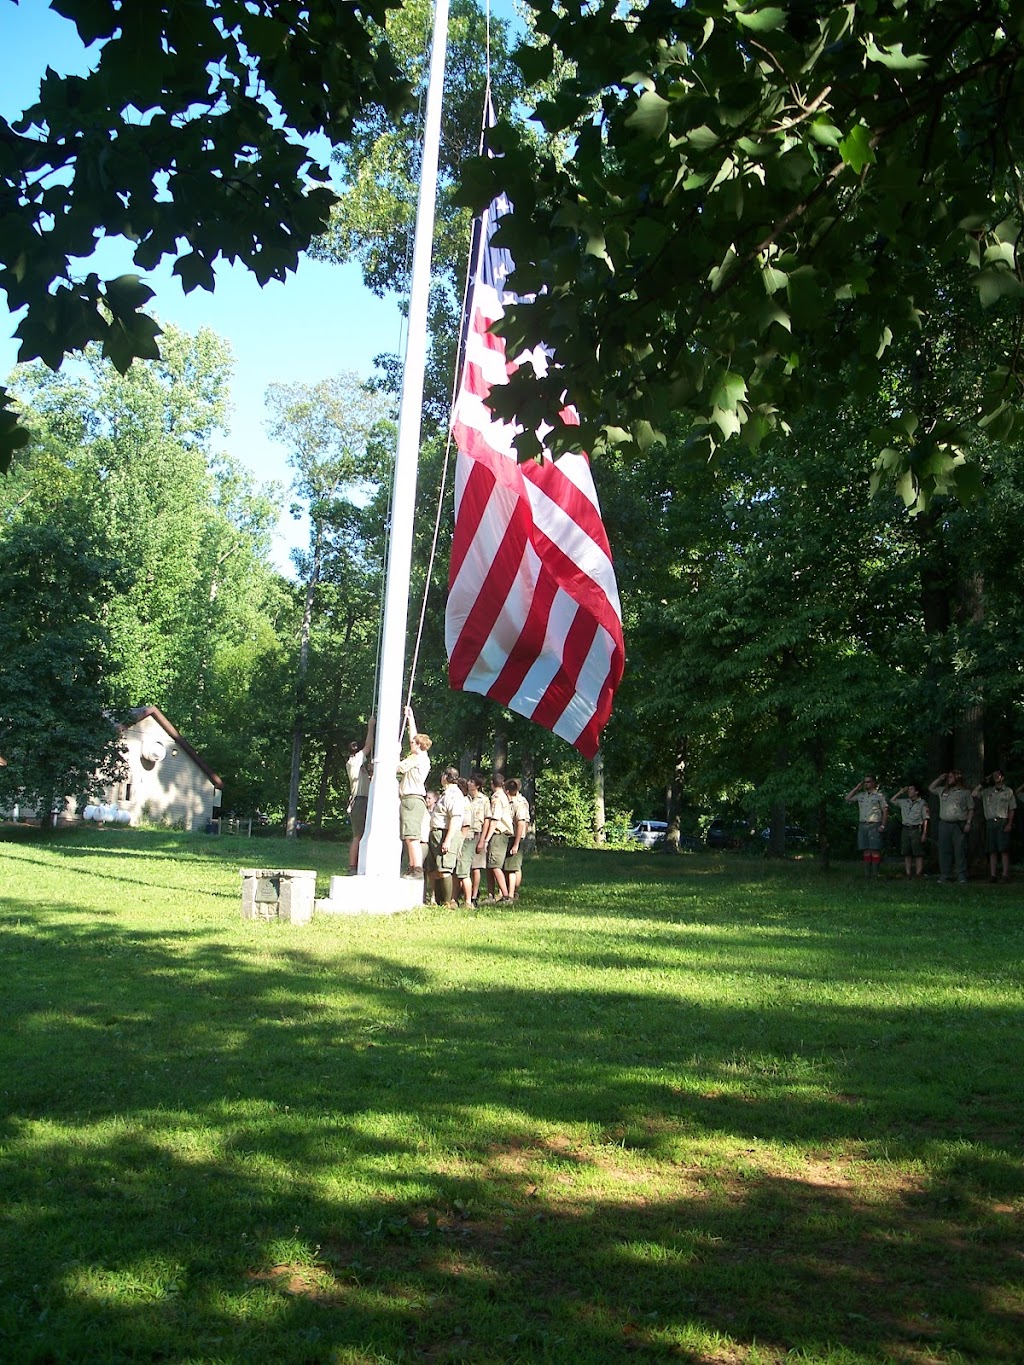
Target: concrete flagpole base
point(370, 895)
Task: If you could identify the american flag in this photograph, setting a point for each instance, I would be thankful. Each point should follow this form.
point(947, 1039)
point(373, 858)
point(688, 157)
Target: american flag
point(533, 618)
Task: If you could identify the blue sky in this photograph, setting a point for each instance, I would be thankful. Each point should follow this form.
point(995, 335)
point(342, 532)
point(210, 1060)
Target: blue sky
point(320, 321)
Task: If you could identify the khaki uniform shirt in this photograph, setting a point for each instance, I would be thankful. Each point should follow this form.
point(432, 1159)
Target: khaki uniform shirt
point(997, 802)
point(872, 806)
point(501, 812)
point(955, 803)
point(358, 777)
point(520, 810)
point(450, 805)
point(413, 773)
point(912, 813)
point(476, 811)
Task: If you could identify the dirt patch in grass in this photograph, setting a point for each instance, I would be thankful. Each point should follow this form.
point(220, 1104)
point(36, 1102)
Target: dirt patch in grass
point(298, 1280)
point(519, 1155)
point(826, 1175)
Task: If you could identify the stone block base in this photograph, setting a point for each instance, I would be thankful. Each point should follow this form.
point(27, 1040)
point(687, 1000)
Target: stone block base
point(278, 893)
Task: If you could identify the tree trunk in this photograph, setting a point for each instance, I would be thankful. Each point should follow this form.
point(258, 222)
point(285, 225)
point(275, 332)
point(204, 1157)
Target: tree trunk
point(969, 747)
point(500, 751)
point(784, 720)
point(291, 826)
point(298, 728)
point(824, 847)
point(529, 781)
point(330, 755)
point(674, 793)
point(937, 617)
point(599, 818)
point(777, 832)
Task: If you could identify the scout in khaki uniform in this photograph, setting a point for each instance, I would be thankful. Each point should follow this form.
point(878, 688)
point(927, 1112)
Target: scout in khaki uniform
point(413, 772)
point(446, 837)
point(430, 799)
point(359, 768)
point(956, 810)
point(999, 806)
point(914, 812)
point(471, 862)
point(520, 824)
point(497, 832)
point(873, 812)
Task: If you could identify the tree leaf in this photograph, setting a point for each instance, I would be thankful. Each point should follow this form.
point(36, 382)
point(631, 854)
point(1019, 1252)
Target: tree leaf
point(823, 130)
point(650, 117)
point(93, 18)
point(894, 57)
point(730, 390)
point(856, 150)
point(763, 20)
point(194, 270)
point(995, 283)
point(727, 421)
point(536, 63)
point(126, 294)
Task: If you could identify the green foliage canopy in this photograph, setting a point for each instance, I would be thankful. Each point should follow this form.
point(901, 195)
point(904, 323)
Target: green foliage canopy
point(374, 217)
point(194, 620)
point(754, 185)
point(188, 138)
point(59, 675)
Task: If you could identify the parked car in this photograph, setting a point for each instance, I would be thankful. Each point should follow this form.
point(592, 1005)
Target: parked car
point(794, 835)
point(650, 833)
point(727, 834)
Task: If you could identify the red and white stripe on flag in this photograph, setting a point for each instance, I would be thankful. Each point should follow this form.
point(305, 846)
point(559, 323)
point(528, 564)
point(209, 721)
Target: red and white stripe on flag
point(533, 618)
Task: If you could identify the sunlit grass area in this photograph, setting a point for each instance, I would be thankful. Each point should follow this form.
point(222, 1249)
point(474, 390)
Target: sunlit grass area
point(701, 1109)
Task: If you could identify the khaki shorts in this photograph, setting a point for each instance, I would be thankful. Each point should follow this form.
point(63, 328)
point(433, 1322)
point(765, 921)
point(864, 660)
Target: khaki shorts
point(357, 815)
point(497, 850)
point(997, 836)
point(869, 837)
point(466, 853)
point(436, 861)
point(911, 843)
point(410, 816)
point(514, 861)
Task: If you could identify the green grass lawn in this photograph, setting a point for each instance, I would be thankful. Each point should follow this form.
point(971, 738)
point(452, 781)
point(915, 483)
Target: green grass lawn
point(702, 1109)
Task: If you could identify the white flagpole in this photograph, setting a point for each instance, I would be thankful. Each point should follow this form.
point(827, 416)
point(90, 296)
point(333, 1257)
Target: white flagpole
point(379, 886)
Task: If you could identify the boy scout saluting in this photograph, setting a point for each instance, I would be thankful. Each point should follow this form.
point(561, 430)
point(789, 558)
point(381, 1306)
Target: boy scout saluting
point(915, 815)
point(873, 812)
point(999, 806)
point(956, 809)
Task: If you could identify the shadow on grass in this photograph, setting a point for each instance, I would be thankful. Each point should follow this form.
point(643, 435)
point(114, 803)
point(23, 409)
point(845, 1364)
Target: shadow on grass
point(203, 1157)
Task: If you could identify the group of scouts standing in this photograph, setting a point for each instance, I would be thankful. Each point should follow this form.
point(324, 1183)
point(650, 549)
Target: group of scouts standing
point(453, 836)
point(956, 814)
